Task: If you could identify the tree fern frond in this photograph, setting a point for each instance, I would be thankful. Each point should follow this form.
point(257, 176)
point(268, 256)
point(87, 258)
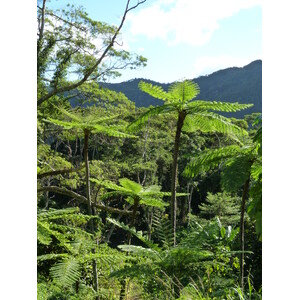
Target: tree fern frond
point(166, 108)
point(134, 232)
point(66, 272)
point(209, 159)
point(256, 169)
point(236, 172)
point(110, 185)
point(201, 105)
point(141, 251)
point(44, 233)
point(130, 185)
point(155, 202)
point(67, 113)
point(162, 229)
point(183, 91)
point(110, 131)
point(210, 122)
point(51, 256)
point(153, 90)
point(53, 213)
point(64, 124)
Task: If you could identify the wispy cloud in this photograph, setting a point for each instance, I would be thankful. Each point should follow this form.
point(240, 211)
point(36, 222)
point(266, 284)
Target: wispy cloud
point(190, 22)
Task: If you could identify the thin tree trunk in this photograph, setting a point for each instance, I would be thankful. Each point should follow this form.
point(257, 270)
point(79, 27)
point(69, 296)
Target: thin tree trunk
point(134, 211)
point(150, 222)
point(88, 196)
point(41, 28)
point(190, 201)
point(242, 232)
point(181, 117)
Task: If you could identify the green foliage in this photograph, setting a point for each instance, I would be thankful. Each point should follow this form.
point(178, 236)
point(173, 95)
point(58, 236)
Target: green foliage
point(66, 272)
point(133, 174)
point(222, 205)
point(150, 196)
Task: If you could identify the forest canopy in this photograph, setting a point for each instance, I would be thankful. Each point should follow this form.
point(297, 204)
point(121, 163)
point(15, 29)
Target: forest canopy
point(162, 202)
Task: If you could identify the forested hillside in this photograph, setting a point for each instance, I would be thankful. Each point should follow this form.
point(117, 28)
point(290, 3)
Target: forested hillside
point(142, 202)
point(243, 85)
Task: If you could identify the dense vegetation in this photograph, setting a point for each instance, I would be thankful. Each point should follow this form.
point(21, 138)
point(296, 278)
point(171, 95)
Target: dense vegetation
point(160, 202)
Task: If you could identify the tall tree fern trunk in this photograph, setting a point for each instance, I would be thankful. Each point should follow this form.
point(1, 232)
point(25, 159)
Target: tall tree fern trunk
point(132, 222)
point(88, 196)
point(181, 117)
point(242, 231)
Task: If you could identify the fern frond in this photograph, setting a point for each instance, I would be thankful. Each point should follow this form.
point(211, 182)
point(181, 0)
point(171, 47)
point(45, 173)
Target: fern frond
point(110, 131)
point(183, 91)
point(110, 185)
point(201, 105)
point(155, 202)
point(209, 159)
point(56, 213)
point(51, 256)
point(130, 185)
point(162, 229)
point(153, 90)
point(67, 113)
point(44, 233)
point(141, 251)
point(134, 232)
point(166, 108)
point(66, 272)
point(64, 124)
point(211, 122)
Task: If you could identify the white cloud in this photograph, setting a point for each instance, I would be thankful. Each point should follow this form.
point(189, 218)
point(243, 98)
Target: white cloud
point(184, 21)
point(206, 65)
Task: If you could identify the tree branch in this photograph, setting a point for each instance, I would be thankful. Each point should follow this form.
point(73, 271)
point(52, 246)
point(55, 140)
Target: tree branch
point(58, 172)
point(41, 28)
point(82, 199)
point(98, 62)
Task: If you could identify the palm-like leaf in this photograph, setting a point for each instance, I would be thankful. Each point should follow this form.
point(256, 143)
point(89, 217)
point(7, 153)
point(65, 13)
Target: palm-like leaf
point(166, 108)
point(211, 122)
point(183, 92)
point(153, 90)
point(199, 106)
point(66, 272)
point(131, 185)
point(208, 159)
point(90, 123)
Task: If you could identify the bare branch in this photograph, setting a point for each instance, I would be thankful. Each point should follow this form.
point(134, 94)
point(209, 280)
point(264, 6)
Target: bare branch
point(58, 172)
point(82, 199)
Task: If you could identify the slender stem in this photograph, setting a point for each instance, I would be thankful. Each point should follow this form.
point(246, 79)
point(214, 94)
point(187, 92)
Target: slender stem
point(88, 196)
point(242, 232)
point(181, 117)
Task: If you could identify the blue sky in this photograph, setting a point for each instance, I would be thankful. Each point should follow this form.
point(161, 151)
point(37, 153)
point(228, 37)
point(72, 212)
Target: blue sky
point(184, 38)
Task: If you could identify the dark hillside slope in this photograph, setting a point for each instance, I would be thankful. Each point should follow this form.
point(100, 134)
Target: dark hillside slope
point(243, 85)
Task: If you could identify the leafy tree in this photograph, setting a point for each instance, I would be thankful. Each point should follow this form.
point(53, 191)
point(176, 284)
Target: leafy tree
point(191, 116)
point(68, 44)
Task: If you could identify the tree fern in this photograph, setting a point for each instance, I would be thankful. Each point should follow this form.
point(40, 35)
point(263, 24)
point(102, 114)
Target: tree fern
point(162, 230)
point(66, 272)
point(200, 116)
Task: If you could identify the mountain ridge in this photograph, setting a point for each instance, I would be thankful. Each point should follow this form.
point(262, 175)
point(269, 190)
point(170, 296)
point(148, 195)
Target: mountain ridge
point(234, 84)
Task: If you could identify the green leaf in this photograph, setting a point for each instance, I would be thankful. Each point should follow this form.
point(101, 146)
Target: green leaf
point(131, 185)
point(66, 272)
